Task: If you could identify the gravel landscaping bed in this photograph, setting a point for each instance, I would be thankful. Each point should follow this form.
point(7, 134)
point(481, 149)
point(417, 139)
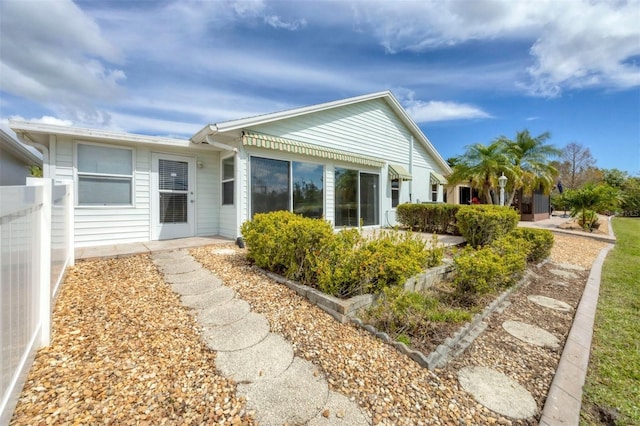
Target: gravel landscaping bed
point(125, 351)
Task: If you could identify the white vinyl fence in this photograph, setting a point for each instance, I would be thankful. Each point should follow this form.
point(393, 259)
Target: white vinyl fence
point(36, 247)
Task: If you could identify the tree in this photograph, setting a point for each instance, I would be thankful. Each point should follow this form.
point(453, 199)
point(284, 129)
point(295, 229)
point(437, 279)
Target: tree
point(481, 165)
point(530, 157)
point(588, 200)
point(577, 166)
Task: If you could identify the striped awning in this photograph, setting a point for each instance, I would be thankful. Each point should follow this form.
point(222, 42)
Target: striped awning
point(260, 140)
point(438, 178)
point(398, 172)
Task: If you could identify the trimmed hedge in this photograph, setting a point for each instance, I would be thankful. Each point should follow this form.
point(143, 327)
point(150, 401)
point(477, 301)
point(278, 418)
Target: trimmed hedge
point(341, 264)
point(433, 218)
point(482, 224)
point(491, 268)
point(285, 243)
point(541, 241)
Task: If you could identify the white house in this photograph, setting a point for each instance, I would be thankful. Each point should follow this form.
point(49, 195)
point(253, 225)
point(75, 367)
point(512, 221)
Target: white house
point(350, 161)
point(15, 161)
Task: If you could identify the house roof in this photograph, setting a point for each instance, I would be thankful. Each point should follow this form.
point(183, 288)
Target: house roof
point(19, 150)
point(39, 133)
point(387, 96)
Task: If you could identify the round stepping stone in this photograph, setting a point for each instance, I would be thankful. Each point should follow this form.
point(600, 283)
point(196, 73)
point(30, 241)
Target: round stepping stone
point(265, 360)
point(531, 334)
point(224, 314)
point(180, 267)
point(238, 335)
point(294, 397)
point(562, 273)
point(497, 392)
point(214, 297)
point(341, 411)
point(188, 277)
point(196, 287)
point(551, 303)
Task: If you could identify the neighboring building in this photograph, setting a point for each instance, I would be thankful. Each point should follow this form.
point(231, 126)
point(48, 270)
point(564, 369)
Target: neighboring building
point(15, 160)
point(350, 161)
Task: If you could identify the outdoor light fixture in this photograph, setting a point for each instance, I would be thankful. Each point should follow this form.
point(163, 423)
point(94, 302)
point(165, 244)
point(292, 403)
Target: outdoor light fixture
point(502, 182)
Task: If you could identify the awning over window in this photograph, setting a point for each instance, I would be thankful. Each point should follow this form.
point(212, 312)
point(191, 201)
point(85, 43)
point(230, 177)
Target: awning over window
point(398, 172)
point(435, 177)
point(260, 140)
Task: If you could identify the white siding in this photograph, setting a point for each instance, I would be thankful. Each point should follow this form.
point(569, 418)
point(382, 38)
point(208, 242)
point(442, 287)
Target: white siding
point(117, 225)
point(368, 128)
point(208, 193)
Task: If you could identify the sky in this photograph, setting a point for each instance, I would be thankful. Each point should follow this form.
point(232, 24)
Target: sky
point(466, 71)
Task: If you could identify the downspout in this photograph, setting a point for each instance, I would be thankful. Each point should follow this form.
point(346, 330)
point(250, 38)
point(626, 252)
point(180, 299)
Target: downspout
point(236, 181)
point(411, 169)
point(43, 149)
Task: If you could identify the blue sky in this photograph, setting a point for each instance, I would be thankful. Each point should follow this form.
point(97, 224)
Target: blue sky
point(466, 71)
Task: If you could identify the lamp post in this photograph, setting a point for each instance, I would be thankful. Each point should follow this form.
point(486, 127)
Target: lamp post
point(502, 182)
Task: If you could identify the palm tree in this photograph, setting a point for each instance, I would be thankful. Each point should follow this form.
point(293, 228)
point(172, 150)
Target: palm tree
point(481, 165)
point(529, 157)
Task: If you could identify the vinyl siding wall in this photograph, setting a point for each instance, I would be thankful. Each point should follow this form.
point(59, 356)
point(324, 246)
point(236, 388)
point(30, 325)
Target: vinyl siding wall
point(116, 225)
point(369, 128)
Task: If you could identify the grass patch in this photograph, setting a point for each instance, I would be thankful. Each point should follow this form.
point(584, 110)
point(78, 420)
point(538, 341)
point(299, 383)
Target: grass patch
point(612, 390)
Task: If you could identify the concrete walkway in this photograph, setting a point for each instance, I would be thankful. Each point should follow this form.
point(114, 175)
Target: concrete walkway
point(120, 250)
point(554, 222)
point(279, 387)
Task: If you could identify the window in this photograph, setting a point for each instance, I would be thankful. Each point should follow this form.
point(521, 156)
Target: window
point(228, 180)
point(434, 192)
point(356, 198)
point(307, 189)
point(395, 193)
point(278, 185)
point(105, 175)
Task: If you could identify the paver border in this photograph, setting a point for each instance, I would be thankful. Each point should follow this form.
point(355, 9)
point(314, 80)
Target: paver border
point(564, 399)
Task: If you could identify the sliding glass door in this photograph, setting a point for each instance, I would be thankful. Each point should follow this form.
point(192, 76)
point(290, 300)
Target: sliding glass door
point(357, 197)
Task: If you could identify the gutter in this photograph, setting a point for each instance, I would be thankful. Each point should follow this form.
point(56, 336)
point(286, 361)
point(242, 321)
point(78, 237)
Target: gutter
point(22, 137)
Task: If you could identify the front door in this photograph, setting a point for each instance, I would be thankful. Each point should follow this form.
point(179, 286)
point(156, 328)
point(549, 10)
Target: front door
point(173, 196)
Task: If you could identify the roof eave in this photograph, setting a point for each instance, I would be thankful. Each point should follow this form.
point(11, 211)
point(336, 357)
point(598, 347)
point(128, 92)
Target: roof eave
point(29, 127)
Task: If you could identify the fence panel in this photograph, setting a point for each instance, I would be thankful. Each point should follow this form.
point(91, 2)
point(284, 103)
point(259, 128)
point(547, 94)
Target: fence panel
point(32, 264)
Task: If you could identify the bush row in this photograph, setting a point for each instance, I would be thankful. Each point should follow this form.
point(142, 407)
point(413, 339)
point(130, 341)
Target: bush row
point(434, 218)
point(479, 224)
point(341, 264)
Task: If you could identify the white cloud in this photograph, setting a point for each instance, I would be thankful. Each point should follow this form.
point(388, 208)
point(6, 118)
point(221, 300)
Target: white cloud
point(276, 22)
point(426, 112)
point(574, 44)
point(431, 111)
point(62, 58)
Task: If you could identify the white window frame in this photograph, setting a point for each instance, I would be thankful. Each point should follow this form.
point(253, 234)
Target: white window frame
point(223, 180)
point(78, 174)
point(396, 190)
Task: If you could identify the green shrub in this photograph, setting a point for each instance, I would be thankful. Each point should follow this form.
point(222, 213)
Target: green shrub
point(541, 241)
point(482, 224)
point(490, 268)
point(406, 313)
point(341, 264)
point(435, 218)
point(588, 219)
point(349, 265)
point(286, 243)
point(337, 264)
